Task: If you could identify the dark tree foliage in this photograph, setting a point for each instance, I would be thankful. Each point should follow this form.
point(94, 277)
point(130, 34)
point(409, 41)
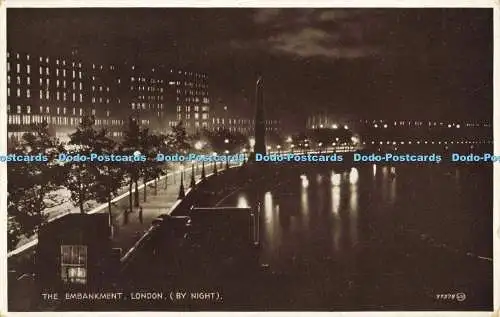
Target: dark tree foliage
point(85, 179)
point(29, 183)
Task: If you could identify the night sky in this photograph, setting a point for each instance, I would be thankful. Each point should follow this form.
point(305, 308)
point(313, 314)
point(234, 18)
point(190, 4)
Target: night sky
point(358, 63)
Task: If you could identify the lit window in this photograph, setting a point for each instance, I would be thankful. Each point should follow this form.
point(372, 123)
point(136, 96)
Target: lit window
point(41, 94)
point(74, 264)
point(28, 81)
point(28, 93)
point(81, 98)
point(28, 69)
point(47, 110)
point(18, 109)
point(47, 96)
point(57, 96)
point(18, 68)
point(18, 92)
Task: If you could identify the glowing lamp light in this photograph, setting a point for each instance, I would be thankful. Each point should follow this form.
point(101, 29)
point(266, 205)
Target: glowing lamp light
point(346, 127)
point(335, 126)
point(353, 175)
point(304, 181)
point(335, 179)
point(226, 141)
point(252, 142)
point(198, 145)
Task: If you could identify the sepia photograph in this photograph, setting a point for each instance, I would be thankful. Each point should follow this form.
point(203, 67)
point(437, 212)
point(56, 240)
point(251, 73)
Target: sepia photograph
point(249, 159)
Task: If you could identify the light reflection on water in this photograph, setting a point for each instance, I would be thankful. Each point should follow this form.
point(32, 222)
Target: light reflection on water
point(321, 218)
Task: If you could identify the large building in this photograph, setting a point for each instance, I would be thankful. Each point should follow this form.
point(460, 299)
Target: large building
point(234, 120)
point(60, 90)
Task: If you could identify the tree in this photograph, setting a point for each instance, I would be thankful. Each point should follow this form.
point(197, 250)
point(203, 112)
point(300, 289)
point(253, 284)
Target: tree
point(177, 139)
point(146, 169)
point(29, 183)
point(155, 169)
point(110, 177)
point(85, 178)
point(131, 144)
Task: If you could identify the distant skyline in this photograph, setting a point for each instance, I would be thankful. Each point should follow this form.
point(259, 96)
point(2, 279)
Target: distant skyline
point(360, 63)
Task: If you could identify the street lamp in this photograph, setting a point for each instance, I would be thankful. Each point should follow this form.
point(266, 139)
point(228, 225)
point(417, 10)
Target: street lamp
point(226, 141)
point(251, 141)
point(335, 126)
point(198, 145)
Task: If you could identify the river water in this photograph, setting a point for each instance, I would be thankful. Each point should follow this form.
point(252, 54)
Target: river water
point(391, 237)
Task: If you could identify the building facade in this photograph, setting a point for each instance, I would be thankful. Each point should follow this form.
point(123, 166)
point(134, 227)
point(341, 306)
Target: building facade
point(60, 90)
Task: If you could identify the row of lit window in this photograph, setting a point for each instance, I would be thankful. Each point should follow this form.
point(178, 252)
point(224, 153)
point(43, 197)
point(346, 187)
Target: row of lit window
point(429, 123)
point(100, 100)
point(143, 80)
point(101, 67)
point(426, 142)
point(111, 67)
point(100, 88)
point(142, 97)
point(204, 116)
point(18, 68)
point(18, 56)
point(143, 88)
point(197, 75)
point(18, 93)
point(47, 94)
point(57, 120)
